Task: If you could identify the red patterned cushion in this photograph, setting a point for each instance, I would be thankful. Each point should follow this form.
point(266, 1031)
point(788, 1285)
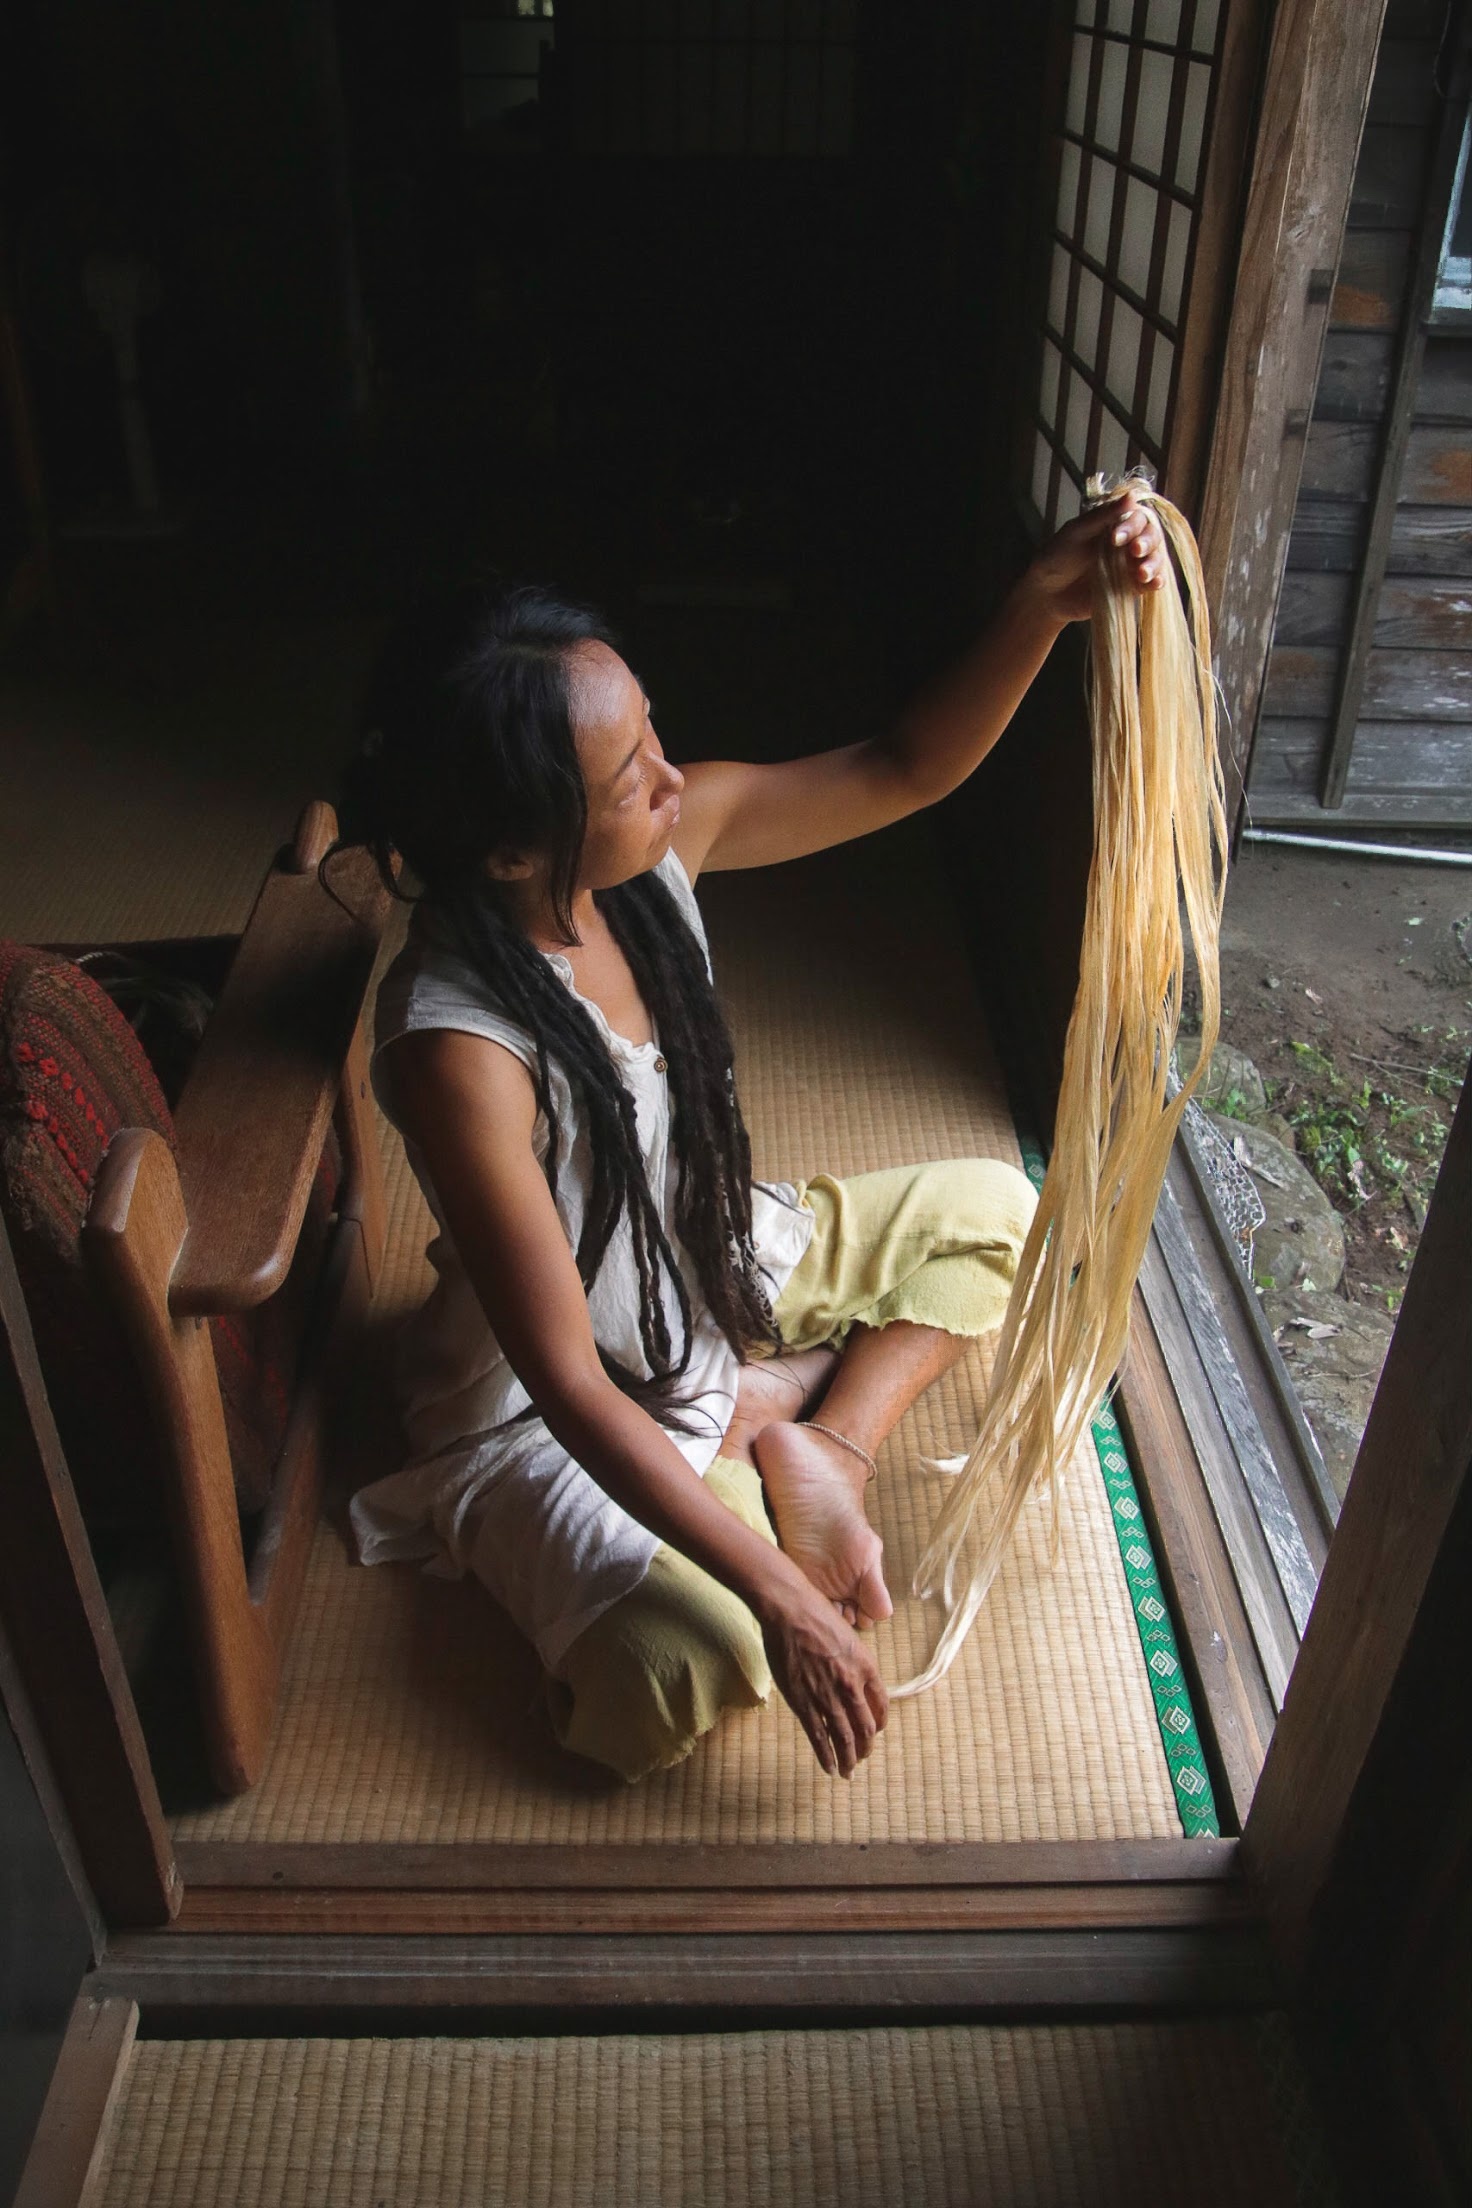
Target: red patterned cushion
point(72, 1073)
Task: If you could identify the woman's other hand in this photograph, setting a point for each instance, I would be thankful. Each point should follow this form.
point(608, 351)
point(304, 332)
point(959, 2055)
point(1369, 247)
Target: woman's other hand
point(1062, 574)
point(826, 1675)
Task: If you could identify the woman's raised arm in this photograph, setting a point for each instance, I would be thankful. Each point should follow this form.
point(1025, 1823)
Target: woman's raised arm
point(737, 815)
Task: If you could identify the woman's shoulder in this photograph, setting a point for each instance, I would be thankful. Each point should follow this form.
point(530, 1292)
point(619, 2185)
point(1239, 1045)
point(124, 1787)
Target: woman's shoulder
point(671, 872)
point(433, 983)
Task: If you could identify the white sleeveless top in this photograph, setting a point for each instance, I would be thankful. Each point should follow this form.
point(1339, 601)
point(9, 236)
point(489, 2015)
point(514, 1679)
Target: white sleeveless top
point(506, 1501)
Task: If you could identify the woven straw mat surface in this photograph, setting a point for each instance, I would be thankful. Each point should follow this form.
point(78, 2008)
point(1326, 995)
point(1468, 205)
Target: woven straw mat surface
point(143, 792)
point(411, 1709)
point(1034, 2116)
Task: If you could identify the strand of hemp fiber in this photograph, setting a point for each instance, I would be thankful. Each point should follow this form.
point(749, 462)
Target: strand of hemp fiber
point(1160, 844)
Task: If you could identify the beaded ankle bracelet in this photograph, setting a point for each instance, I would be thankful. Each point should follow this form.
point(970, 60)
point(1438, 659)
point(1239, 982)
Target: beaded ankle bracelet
point(844, 1443)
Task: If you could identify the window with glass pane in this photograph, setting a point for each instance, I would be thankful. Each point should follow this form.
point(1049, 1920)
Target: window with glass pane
point(1129, 147)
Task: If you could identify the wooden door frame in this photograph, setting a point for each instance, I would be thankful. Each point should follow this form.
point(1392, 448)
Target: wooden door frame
point(1316, 83)
point(1409, 1480)
point(1414, 1460)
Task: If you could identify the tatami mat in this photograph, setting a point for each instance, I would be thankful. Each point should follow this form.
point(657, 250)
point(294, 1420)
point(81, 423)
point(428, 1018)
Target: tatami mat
point(143, 794)
point(411, 1711)
point(1029, 2117)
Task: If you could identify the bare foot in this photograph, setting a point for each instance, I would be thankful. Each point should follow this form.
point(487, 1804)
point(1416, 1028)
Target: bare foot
point(793, 1382)
point(816, 1490)
point(773, 1389)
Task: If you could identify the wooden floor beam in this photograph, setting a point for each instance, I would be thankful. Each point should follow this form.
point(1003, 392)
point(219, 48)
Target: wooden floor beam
point(274, 1866)
point(697, 1911)
point(183, 1980)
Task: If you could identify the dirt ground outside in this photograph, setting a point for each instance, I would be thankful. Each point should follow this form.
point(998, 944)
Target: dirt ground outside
point(1348, 983)
point(1345, 1035)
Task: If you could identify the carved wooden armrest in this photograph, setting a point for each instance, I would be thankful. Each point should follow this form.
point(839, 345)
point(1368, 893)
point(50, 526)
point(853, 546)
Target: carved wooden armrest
point(255, 1110)
point(172, 1240)
point(134, 1233)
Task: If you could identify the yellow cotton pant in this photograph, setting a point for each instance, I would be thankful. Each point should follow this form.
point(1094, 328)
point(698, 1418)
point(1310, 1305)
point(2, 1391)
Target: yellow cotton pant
point(937, 1245)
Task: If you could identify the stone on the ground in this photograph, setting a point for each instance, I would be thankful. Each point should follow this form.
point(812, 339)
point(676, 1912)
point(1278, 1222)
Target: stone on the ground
point(1230, 1070)
point(1233, 1078)
point(1301, 1241)
point(1334, 1351)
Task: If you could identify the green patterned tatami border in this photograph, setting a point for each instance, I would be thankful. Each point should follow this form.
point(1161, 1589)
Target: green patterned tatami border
point(1195, 1803)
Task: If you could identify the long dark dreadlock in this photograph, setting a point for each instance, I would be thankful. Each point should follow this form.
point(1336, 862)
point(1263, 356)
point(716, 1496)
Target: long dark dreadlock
point(469, 749)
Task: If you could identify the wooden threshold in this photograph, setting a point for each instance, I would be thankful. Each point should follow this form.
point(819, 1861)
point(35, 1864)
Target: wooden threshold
point(196, 1980)
point(692, 1910)
point(873, 1909)
point(700, 1889)
point(272, 1867)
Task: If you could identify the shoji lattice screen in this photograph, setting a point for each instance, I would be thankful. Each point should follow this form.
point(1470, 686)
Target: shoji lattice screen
point(1130, 147)
point(747, 77)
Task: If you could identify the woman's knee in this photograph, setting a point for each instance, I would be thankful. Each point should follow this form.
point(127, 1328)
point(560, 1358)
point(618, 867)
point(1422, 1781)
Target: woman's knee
point(657, 1671)
point(979, 1203)
point(973, 1214)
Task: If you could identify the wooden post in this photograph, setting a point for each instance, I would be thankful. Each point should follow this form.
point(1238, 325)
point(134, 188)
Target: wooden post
point(65, 2164)
point(1412, 1468)
point(1320, 64)
point(68, 1658)
point(1208, 300)
point(1399, 413)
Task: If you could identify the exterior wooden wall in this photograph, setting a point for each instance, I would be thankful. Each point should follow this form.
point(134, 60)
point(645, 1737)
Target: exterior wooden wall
point(1411, 759)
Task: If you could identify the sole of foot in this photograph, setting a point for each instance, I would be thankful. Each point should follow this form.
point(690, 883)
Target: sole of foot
point(815, 1488)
